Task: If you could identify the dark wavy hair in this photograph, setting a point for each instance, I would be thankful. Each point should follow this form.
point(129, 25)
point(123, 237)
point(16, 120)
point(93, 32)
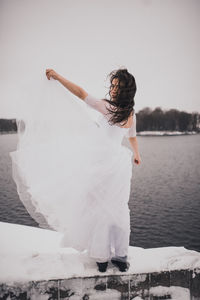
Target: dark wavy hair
point(124, 101)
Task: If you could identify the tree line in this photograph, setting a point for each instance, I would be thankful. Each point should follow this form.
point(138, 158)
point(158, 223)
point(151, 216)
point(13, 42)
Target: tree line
point(147, 120)
point(172, 120)
point(8, 125)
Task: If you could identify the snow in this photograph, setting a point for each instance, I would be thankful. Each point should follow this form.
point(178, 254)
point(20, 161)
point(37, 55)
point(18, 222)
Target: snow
point(176, 293)
point(166, 132)
point(29, 253)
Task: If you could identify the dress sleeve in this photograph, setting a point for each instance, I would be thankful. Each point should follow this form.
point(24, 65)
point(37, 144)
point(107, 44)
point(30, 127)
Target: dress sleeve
point(96, 103)
point(131, 132)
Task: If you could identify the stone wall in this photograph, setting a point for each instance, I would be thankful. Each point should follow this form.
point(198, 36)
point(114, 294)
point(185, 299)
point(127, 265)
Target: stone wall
point(177, 284)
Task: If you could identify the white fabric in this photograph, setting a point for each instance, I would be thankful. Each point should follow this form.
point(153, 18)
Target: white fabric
point(100, 105)
point(72, 173)
point(131, 132)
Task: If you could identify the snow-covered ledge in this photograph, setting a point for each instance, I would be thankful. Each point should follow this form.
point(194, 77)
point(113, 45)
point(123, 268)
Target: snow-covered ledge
point(33, 266)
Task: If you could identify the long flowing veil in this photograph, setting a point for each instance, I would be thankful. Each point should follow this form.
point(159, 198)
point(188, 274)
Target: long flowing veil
point(58, 141)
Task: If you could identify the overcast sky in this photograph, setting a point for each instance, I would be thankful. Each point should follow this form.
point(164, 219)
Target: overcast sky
point(158, 41)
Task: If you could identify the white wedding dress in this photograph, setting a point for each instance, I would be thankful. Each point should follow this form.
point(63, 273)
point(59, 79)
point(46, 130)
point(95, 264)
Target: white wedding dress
point(72, 172)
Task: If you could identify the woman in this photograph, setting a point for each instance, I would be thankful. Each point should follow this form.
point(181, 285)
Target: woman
point(76, 174)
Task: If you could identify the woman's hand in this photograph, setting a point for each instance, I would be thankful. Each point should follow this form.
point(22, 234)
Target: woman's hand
point(51, 73)
point(137, 159)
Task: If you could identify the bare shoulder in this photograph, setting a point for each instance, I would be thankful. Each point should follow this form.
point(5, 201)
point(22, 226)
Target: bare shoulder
point(129, 122)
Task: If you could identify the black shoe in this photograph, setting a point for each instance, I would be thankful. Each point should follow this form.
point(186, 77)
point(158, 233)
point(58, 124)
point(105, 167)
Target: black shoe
point(102, 266)
point(122, 266)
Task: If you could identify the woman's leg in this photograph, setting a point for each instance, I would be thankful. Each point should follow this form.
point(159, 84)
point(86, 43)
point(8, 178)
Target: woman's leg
point(121, 244)
point(120, 241)
point(120, 258)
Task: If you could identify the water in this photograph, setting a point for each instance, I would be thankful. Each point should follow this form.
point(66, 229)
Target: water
point(12, 210)
point(164, 198)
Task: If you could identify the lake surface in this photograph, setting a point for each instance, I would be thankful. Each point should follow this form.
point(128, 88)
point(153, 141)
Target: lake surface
point(164, 198)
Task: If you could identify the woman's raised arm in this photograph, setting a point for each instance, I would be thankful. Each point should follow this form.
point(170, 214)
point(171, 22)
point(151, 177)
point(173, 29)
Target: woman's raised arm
point(72, 87)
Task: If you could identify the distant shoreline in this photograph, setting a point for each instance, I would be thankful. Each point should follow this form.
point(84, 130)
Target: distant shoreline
point(140, 133)
point(8, 132)
point(165, 133)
